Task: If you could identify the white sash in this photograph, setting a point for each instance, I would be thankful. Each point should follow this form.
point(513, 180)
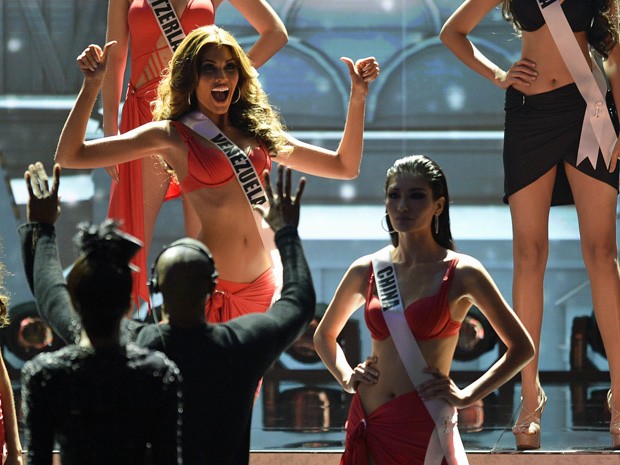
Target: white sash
point(168, 22)
point(247, 177)
point(445, 440)
point(597, 130)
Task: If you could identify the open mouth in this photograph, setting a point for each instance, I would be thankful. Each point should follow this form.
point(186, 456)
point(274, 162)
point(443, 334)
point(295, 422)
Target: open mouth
point(220, 93)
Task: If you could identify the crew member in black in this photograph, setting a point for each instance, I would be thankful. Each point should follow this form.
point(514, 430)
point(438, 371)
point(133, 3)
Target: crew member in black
point(221, 364)
point(103, 402)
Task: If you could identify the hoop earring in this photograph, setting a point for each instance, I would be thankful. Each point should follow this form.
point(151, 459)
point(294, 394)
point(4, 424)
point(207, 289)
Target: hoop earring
point(189, 99)
point(238, 95)
point(385, 226)
point(436, 224)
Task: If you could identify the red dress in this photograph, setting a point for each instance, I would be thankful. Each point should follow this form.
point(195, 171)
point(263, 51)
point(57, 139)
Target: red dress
point(126, 196)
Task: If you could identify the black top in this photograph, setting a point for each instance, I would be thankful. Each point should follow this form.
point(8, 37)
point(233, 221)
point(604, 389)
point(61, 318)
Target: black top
point(49, 287)
point(221, 364)
point(579, 14)
point(102, 406)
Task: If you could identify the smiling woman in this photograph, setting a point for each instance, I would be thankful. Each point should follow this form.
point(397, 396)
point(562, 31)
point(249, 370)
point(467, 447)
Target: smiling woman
point(211, 117)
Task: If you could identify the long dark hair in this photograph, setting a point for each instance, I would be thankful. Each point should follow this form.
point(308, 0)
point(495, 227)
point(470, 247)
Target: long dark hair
point(424, 167)
point(100, 281)
point(602, 34)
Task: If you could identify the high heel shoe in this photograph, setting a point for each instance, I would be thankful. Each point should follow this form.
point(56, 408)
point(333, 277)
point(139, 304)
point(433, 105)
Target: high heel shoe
point(614, 424)
point(527, 432)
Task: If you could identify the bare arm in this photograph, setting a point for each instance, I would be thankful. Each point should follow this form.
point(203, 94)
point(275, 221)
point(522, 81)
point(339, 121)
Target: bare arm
point(345, 162)
point(74, 152)
point(11, 434)
point(480, 290)
point(454, 36)
point(272, 32)
point(348, 298)
point(117, 31)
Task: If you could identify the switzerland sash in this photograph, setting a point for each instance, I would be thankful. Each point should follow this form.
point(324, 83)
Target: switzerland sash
point(168, 22)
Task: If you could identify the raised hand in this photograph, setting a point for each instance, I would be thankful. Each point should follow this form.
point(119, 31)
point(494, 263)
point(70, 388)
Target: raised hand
point(93, 61)
point(283, 209)
point(43, 205)
point(362, 71)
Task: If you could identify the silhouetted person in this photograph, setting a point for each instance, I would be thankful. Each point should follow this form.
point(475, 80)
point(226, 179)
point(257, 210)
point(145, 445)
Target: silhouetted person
point(221, 364)
point(103, 402)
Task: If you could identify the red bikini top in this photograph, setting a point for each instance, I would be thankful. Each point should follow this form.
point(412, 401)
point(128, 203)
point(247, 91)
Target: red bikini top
point(209, 167)
point(428, 317)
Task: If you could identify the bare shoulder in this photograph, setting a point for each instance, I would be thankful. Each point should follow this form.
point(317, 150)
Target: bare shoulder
point(360, 267)
point(162, 134)
point(469, 270)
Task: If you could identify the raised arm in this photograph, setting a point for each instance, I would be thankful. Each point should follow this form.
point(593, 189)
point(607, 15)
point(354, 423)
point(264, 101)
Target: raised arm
point(40, 255)
point(345, 162)
point(74, 152)
point(272, 32)
point(117, 31)
point(264, 336)
point(349, 297)
point(454, 36)
point(481, 291)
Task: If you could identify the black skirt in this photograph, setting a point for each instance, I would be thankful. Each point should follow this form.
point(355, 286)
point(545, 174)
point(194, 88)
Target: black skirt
point(542, 131)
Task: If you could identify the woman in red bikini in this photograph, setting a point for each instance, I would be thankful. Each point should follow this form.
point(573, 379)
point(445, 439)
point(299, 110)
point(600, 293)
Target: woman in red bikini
point(388, 422)
point(211, 74)
point(140, 186)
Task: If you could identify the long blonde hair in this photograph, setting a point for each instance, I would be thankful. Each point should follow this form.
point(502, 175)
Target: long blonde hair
point(251, 113)
point(4, 299)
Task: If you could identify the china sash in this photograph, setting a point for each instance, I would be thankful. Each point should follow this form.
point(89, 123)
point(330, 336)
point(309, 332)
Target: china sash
point(246, 176)
point(597, 130)
point(445, 440)
point(168, 22)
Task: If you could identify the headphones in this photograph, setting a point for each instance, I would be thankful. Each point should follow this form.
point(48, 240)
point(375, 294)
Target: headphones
point(153, 282)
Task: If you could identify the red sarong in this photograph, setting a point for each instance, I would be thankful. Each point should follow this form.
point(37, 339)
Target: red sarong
point(126, 195)
point(396, 433)
point(230, 299)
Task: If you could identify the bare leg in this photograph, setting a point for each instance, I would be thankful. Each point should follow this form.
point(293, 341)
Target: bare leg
point(529, 209)
point(596, 207)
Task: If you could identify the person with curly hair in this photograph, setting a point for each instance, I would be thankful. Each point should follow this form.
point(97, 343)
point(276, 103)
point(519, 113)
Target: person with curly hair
point(211, 76)
point(139, 187)
point(547, 162)
point(10, 445)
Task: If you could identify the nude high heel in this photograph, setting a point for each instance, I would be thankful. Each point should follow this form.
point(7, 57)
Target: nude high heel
point(527, 432)
point(614, 424)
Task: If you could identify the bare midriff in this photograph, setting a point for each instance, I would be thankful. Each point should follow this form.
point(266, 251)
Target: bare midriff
point(539, 47)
